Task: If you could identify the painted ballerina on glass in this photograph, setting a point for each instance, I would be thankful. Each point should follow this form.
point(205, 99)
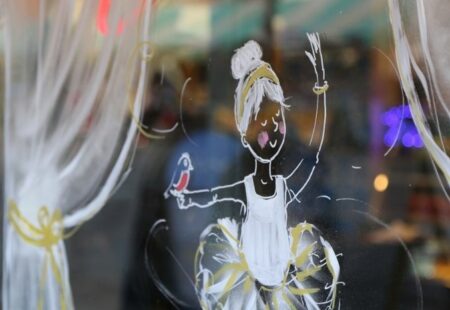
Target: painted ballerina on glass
point(261, 263)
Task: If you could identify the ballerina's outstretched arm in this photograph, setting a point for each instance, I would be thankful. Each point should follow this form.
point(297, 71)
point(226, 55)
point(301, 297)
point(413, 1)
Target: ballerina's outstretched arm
point(207, 197)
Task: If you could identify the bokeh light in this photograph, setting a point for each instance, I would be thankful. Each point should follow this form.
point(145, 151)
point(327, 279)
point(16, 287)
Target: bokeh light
point(401, 128)
point(381, 182)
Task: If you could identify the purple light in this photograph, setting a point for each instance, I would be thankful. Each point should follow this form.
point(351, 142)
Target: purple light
point(407, 133)
point(413, 130)
point(408, 140)
point(390, 119)
point(402, 112)
point(407, 113)
point(418, 143)
point(389, 137)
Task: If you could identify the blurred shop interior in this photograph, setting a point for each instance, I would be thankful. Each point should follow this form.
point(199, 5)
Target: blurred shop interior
point(374, 194)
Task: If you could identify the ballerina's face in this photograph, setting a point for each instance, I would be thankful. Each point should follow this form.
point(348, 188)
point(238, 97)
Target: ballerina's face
point(266, 133)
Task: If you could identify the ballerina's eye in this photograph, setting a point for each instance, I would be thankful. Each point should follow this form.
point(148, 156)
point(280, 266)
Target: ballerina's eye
point(264, 123)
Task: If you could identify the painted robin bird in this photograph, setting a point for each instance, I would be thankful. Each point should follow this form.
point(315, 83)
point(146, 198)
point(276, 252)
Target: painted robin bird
point(180, 177)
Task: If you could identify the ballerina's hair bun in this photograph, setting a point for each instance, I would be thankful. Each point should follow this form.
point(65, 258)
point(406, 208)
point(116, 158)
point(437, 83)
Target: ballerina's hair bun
point(245, 59)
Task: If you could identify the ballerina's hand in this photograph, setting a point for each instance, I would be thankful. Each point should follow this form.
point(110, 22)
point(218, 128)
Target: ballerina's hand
point(316, 59)
point(181, 201)
point(319, 90)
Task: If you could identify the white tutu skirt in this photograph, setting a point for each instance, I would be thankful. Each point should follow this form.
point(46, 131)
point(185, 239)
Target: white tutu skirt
point(224, 280)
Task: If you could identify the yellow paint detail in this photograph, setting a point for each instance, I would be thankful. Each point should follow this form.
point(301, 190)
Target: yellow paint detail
point(296, 234)
point(319, 90)
point(302, 275)
point(263, 71)
point(275, 302)
point(146, 58)
point(238, 272)
point(303, 257)
point(248, 284)
point(287, 301)
point(46, 235)
point(303, 291)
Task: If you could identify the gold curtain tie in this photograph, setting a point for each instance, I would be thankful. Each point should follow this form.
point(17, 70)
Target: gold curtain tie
point(48, 233)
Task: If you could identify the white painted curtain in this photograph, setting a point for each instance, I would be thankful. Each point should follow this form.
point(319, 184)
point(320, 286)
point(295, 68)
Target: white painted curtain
point(422, 41)
point(68, 134)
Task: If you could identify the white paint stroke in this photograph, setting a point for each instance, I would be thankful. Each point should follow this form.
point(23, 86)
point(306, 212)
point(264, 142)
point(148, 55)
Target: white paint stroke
point(154, 230)
point(324, 197)
point(397, 135)
point(405, 248)
point(165, 131)
point(399, 239)
point(295, 169)
point(181, 111)
point(352, 199)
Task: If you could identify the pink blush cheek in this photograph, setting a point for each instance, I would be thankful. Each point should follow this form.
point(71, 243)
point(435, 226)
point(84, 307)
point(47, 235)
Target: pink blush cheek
point(263, 138)
point(282, 128)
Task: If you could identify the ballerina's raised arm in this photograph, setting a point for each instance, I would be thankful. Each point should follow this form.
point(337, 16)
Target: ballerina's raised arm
point(320, 88)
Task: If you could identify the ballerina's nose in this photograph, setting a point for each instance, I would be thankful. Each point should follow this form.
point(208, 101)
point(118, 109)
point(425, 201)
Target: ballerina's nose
point(263, 138)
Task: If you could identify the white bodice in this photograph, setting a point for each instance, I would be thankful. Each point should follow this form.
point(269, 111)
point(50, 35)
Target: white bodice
point(265, 238)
